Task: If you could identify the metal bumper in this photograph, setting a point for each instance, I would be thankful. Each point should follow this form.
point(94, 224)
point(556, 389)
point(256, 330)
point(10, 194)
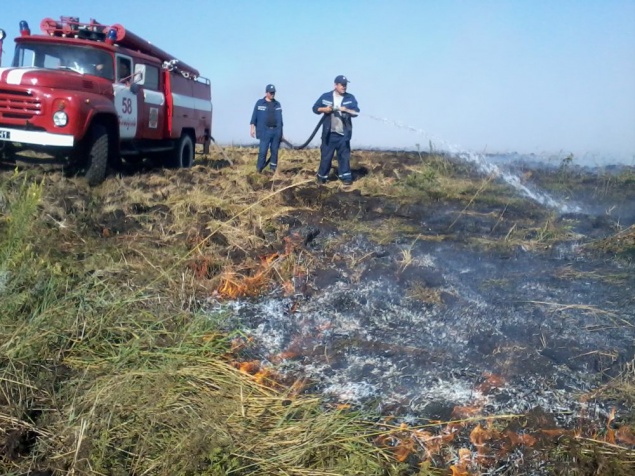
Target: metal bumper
point(36, 137)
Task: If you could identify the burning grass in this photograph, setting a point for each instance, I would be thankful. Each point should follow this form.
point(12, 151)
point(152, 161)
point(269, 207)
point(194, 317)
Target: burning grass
point(101, 377)
point(112, 362)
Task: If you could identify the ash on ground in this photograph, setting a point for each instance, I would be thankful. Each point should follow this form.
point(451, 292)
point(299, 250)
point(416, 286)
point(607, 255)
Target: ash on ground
point(418, 327)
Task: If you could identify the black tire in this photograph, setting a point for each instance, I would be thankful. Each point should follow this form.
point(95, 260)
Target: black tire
point(7, 153)
point(97, 157)
point(182, 157)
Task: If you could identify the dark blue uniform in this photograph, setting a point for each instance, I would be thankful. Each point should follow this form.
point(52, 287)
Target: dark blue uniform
point(267, 118)
point(333, 142)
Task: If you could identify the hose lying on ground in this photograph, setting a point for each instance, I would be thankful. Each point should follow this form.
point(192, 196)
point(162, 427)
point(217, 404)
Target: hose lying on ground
point(231, 162)
point(283, 140)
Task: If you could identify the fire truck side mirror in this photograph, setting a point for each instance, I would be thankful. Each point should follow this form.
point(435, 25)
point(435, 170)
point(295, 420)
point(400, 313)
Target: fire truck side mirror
point(134, 88)
point(139, 74)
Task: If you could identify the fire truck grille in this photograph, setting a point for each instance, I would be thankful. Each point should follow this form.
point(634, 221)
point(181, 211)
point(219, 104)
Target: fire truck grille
point(18, 105)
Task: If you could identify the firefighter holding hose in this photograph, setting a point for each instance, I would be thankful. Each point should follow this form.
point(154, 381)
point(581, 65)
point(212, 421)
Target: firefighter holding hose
point(338, 107)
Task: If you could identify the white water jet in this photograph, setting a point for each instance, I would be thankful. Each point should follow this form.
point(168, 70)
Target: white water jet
point(484, 166)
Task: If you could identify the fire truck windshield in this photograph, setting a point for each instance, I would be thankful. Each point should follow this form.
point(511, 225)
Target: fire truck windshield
point(81, 59)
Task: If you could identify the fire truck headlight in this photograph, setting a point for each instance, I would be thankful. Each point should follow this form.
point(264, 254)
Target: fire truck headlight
point(60, 118)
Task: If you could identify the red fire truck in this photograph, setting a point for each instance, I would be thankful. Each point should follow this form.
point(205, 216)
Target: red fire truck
point(94, 94)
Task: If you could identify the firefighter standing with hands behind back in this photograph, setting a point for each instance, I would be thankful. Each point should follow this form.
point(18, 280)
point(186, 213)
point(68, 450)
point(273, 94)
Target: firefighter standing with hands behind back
point(266, 125)
point(339, 108)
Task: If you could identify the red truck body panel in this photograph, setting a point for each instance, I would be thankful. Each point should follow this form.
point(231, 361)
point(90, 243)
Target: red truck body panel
point(80, 70)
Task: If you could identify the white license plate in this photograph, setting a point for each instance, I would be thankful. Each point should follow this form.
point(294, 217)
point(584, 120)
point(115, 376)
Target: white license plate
point(5, 135)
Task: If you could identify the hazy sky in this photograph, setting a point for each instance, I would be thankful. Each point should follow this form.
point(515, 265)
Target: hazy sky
point(541, 76)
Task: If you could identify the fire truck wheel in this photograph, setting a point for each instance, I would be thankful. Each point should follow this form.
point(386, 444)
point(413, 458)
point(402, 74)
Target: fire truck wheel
point(97, 160)
point(183, 155)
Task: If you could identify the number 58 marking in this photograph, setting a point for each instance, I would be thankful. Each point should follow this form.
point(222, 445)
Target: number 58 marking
point(126, 105)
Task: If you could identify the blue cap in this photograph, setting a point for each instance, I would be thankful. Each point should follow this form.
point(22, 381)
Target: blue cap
point(341, 79)
point(270, 88)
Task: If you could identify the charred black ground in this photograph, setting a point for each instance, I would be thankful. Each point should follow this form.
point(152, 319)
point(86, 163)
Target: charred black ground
point(420, 324)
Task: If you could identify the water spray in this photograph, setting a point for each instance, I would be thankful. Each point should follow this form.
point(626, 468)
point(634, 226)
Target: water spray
point(483, 166)
point(477, 159)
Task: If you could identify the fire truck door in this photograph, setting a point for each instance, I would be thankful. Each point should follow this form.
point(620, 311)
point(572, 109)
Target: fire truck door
point(125, 100)
point(151, 101)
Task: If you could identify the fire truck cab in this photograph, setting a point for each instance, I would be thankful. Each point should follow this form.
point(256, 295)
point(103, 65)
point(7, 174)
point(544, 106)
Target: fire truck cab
point(94, 94)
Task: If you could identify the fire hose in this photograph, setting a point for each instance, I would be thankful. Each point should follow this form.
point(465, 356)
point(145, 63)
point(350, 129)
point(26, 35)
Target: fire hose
point(298, 147)
point(309, 139)
point(317, 127)
point(231, 162)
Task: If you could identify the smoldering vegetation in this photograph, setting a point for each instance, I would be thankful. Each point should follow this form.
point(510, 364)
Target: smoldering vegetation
point(430, 318)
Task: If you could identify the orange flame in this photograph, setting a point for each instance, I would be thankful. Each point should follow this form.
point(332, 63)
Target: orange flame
point(262, 376)
point(517, 439)
point(286, 355)
point(249, 367)
point(460, 469)
point(448, 433)
point(431, 443)
point(234, 286)
point(403, 450)
point(268, 260)
point(479, 436)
